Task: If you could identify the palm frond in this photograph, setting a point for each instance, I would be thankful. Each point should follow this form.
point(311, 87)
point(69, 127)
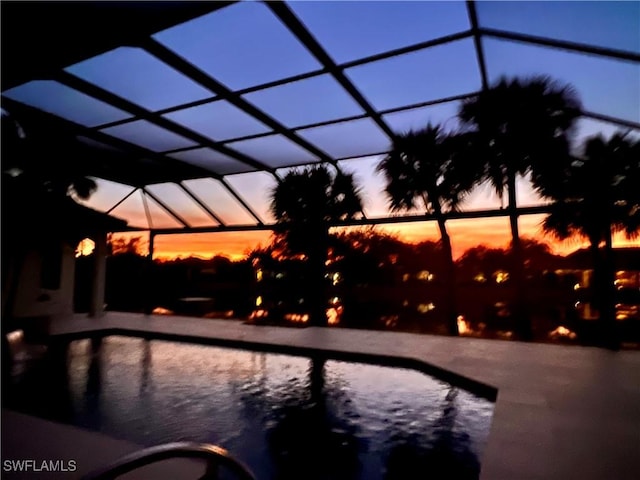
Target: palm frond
point(306, 201)
point(431, 169)
point(526, 125)
point(600, 192)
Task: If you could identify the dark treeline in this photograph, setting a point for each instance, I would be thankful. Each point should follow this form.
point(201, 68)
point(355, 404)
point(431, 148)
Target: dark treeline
point(373, 280)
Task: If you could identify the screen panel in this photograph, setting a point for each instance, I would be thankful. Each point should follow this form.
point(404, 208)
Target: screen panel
point(612, 24)
point(218, 121)
point(132, 210)
point(213, 194)
point(149, 135)
point(351, 30)
point(427, 74)
point(370, 182)
point(58, 99)
point(526, 195)
point(255, 188)
point(348, 139)
point(241, 45)
point(233, 245)
point(212, 160)
point(609, 87)
point(106, 196)
point(275, 151)
point(139, 77)
point(159, 217)
point(444, 114)
point(180, 202)
point(587, 127)
point(317, 99)
point(483, 197)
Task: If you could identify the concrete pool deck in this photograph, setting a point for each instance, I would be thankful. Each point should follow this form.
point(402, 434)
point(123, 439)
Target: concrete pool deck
point(562, 412)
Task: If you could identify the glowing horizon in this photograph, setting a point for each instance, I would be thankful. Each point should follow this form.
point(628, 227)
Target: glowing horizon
point(465, 234)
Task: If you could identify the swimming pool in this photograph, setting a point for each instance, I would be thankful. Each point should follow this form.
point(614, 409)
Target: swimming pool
point(284, 416)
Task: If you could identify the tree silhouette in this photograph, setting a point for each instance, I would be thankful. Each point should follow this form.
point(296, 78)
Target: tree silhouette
point(430, 169)
point(305, 203)
point(598, 196)
point(522, 126)
point(27, 161)
point(126, 245)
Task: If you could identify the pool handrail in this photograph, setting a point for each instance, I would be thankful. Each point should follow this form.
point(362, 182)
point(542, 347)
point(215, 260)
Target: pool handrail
point(214, 455)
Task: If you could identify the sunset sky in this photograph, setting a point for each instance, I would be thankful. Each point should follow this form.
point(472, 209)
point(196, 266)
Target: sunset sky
point(465, 234)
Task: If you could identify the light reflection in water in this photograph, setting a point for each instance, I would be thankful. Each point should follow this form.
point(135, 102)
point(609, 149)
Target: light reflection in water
point(284, 416)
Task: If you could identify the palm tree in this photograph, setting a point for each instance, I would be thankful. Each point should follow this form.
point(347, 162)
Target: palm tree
point(305, 204)
point(433, 170)
point(598, 196)
point(523, 126)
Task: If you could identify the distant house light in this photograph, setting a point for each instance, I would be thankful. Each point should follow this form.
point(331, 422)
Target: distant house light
point(562, 331)
point(333, 315)
point(162, 311)
point(464, 327)
point(297, 317)
point(501, 276)
point(480, 278)
point(424, 275)
point(85, 247)
point(259, 314)
point(426, 307)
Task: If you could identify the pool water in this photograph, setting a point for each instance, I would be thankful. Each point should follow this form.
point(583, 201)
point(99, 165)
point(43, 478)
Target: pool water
point(286, 417)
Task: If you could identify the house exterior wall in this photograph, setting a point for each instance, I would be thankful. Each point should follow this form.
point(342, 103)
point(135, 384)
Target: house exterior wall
point(32, 300)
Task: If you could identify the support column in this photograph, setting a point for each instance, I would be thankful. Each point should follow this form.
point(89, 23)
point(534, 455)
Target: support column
point(96, 308)
point(152, 238)
point(149, 280)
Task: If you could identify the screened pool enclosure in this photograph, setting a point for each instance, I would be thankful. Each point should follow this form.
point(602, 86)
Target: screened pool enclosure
point(187, 114)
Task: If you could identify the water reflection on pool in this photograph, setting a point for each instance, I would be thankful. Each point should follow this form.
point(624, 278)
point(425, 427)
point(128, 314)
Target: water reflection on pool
point(286, 417)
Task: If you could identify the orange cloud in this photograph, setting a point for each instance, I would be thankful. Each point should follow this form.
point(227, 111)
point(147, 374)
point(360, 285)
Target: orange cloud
point(234, 245)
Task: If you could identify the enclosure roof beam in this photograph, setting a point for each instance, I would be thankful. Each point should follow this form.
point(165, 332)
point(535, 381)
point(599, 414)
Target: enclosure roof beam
point(536, 210)
point(282, 11)
point(192, 72)
point(144, 114)
point(561, 44)
point(477, 41)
